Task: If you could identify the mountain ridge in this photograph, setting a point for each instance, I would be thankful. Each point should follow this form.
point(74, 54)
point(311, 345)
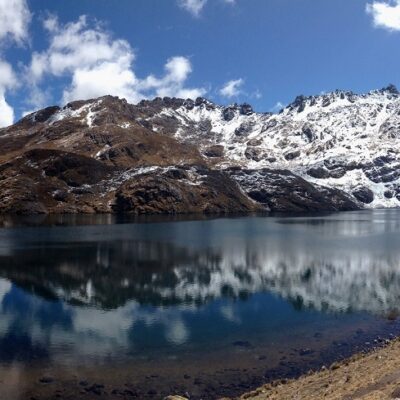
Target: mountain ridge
point(333, 151)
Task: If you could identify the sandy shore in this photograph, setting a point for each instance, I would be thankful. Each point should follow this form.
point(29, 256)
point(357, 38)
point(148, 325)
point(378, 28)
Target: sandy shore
point(371, 376)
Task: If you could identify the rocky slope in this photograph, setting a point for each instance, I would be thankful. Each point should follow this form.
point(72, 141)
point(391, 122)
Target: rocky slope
point(337, 151)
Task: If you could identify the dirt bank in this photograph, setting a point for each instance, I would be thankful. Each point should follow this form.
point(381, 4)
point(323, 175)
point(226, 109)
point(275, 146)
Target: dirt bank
point(371, 376)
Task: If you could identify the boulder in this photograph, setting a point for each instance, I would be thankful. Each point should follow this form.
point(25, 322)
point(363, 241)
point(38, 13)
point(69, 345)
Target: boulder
point(364, 194)
point(228, 113)
point(214, 151)
point(308, 133)
point(388, 194)
point(253, 153)
point(318, 173)
point(246, 109)
point(292, 155)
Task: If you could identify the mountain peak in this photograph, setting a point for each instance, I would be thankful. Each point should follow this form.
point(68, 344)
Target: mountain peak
point(392, 89)
point(340, 140)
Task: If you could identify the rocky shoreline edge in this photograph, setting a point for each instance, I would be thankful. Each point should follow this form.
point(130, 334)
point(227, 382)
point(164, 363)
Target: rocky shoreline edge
point(369, 375)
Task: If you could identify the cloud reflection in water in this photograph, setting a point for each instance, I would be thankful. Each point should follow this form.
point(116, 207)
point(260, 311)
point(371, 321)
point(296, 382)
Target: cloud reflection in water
point(94, 290)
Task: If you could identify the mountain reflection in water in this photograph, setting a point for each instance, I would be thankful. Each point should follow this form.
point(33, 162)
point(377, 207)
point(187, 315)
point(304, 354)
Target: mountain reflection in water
point(99, 288)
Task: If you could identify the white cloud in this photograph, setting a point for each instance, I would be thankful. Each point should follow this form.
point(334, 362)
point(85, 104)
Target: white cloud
point(76, 45)
point(7, 76)
point(6, 112)
point(232, 88)
point(195, 7)
point(14, 20)
point(177, 70)
point(7, 81)
point(385, 14)
point(107, 78)
point(98, 64)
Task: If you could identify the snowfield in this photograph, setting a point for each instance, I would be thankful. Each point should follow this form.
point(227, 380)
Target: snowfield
point(345, 136)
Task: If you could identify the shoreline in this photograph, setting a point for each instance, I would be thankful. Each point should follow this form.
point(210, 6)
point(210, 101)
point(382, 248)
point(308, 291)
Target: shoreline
point(81, 219)
point(368, 375)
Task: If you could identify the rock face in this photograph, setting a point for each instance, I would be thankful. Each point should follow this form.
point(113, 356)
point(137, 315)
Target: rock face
point(282, 191)
point(364, 195)
point(182, 190)
point(337, 151)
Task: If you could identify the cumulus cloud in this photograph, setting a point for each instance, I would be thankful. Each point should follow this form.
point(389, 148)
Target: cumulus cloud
point(6, 112)
point(177, 70)
point(98, 64)
point(232, 88)
point(14, 21)
point(75, 44)
point(195, 7)
point(106, 78)
point(8, 79)
point(385, 14)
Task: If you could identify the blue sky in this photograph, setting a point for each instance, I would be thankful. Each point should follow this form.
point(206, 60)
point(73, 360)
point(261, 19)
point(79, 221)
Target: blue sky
point(264, 52)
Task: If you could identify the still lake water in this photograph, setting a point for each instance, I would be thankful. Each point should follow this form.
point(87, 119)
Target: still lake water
point(208, 307)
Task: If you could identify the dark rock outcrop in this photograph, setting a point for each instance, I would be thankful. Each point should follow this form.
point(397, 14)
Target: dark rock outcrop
point(280, 190)
point(319, 173)
point(291, 155)
point(364, 195)
point(246, 109)
point(229, 113)
point(253, 153)
point(166, 193)
point(214, 151)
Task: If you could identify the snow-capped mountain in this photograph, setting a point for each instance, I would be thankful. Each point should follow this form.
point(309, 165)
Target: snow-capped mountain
point(334, 151)
point(340, 139)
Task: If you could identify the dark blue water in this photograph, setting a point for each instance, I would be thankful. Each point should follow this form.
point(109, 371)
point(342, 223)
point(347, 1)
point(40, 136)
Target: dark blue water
point(270, 296)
